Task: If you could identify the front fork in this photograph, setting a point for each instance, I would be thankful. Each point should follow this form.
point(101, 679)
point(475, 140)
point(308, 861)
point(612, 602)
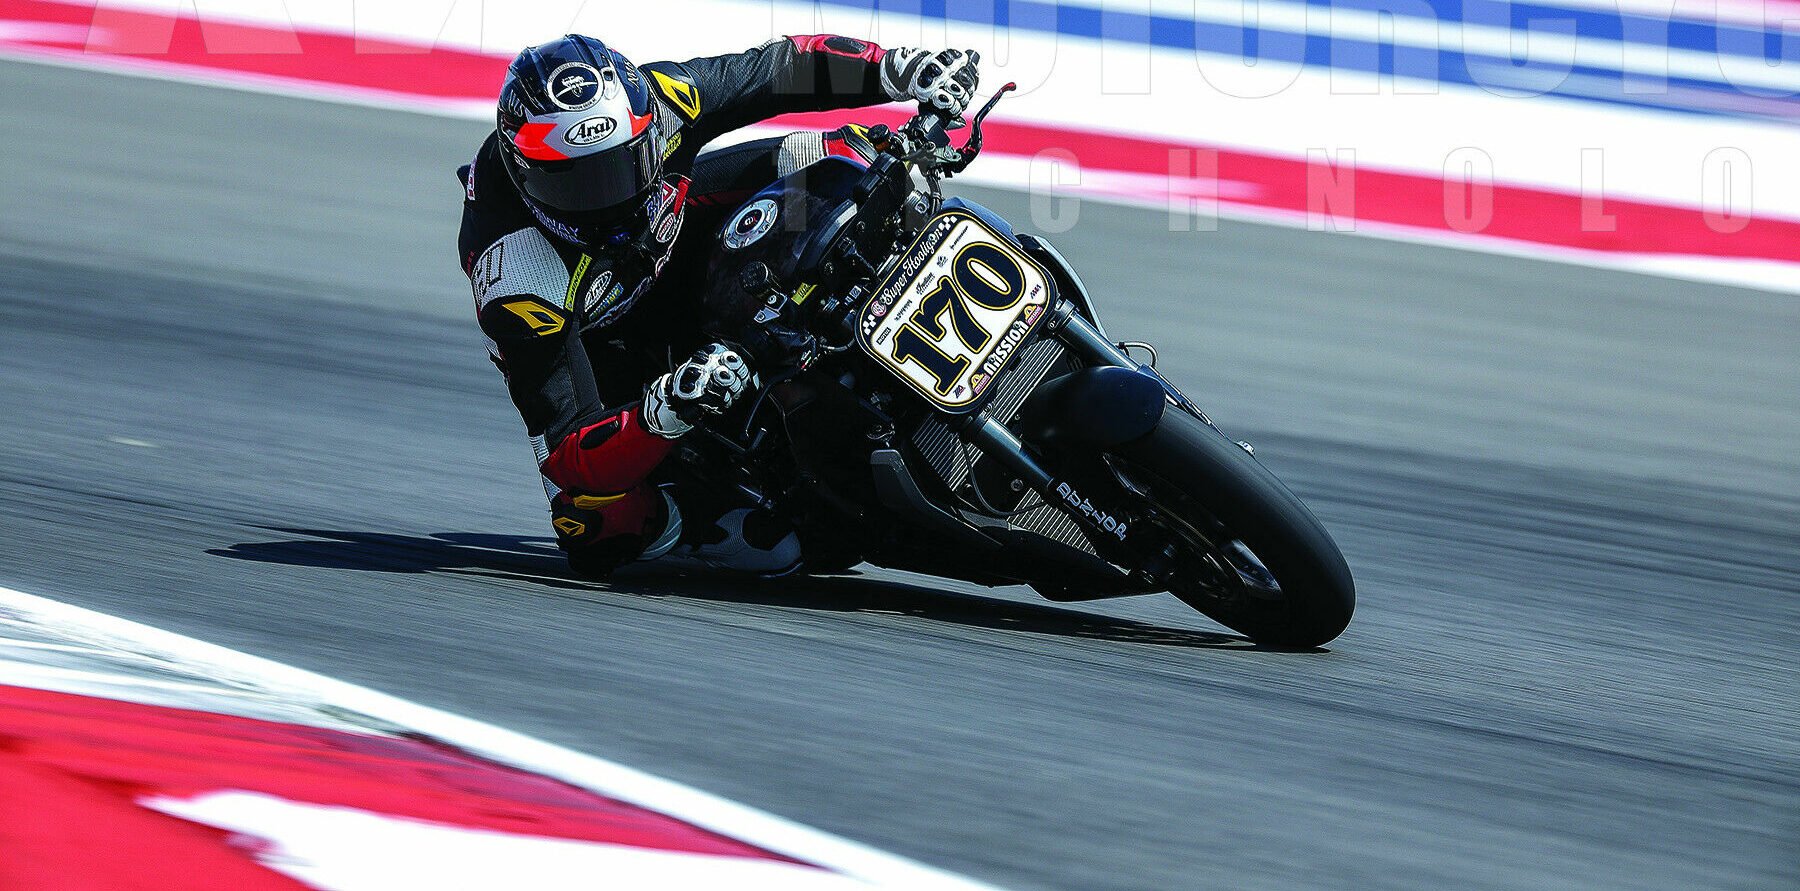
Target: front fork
point(1086, 341)
point(1101, 517)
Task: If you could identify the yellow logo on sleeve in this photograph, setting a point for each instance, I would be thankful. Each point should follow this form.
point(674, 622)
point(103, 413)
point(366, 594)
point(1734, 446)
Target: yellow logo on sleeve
point(683, 96)
point(542, 320)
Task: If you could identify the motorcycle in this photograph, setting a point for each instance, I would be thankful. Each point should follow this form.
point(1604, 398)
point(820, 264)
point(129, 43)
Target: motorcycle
point(937, 394)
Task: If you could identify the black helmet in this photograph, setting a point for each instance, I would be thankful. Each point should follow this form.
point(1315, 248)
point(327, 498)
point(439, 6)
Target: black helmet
point(579, 137)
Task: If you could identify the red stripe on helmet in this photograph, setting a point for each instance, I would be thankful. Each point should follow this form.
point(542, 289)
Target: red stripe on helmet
point(530, 141)
point(640, 122)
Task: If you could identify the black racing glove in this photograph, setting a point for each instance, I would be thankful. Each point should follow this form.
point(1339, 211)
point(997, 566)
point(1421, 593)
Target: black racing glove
point(945, 81)
point(708, 383)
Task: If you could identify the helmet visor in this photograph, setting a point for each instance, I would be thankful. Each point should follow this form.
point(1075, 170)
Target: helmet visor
point(594, 183)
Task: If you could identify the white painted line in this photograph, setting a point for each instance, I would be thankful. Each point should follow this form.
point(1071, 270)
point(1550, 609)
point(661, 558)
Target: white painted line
point(852, 859)
point(243, 81)
point(52, 647)
point(59, 678)
point(344, 849)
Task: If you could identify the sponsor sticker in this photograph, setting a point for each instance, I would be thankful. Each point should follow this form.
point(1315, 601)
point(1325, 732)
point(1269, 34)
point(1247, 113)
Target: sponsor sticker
point(610, 307)
point(589, 131)
point(562, 230)
point(668, 190)
point(915, 260)
point(1095, 516)
point(581, 269)
point(666, 214)
point(575, 86)
point(751, 224)
point(996, 360)
point(667, 229)
point(596, 292)
point(615, 303)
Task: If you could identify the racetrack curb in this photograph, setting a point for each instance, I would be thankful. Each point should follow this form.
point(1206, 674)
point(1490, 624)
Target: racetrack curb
point(515, 750)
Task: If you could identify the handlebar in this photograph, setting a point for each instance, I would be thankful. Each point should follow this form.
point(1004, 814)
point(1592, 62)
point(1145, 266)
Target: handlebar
point(924, 141)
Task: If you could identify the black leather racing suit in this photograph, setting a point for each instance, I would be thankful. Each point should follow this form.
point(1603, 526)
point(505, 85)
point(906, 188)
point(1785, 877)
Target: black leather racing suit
point(578, 332)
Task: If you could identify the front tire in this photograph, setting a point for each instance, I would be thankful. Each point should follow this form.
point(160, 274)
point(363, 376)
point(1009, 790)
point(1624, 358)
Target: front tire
point(1292, 588)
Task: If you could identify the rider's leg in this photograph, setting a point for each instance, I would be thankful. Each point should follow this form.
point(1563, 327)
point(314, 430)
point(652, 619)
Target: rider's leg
point(625, 500)
point(718, 533)
point(608, 514)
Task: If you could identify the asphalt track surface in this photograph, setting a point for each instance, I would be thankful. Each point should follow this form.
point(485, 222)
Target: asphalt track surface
point(242, 397)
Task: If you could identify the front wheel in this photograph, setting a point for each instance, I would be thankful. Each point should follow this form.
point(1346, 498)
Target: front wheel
point(1241, 548)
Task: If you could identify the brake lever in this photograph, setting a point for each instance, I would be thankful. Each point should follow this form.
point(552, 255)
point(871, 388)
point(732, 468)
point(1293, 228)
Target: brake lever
point(933, 154)
point(972, 147)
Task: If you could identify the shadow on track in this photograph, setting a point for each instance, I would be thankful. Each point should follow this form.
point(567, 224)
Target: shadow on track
point(536, 560)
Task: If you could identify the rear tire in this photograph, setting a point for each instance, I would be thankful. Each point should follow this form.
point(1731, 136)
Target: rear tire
point(1201, 481)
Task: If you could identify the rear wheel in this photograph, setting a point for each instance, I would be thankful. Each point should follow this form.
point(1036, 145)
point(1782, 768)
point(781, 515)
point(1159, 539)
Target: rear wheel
point(1240, 547)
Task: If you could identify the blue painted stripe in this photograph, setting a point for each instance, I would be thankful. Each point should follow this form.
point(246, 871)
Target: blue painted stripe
point(1734, 40)
point(1440, 65)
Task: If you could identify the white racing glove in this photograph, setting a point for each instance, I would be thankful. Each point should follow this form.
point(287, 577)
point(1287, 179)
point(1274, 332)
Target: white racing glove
point(945, 81)
point(706, 384)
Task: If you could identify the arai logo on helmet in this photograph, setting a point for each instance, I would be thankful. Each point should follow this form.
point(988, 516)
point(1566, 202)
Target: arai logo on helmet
point(751, 224)
point(574, 86)
point(590, 131)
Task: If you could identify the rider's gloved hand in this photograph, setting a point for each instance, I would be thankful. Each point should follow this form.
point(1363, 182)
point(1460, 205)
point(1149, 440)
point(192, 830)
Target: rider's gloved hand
point(706, 384)
point(945, 81)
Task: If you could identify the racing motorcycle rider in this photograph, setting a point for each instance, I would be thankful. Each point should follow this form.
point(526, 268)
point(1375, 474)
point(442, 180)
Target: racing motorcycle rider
point(573, 209)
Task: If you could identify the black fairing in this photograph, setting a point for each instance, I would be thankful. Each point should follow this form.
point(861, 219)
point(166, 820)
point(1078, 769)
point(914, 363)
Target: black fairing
point(827, 234)
point(1098, 407)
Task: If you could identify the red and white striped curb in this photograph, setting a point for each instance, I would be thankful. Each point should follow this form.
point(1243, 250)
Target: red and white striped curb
point(132, 757)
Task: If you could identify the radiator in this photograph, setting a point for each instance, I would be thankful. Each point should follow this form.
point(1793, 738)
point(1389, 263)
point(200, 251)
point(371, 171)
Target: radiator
point(953, 461)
